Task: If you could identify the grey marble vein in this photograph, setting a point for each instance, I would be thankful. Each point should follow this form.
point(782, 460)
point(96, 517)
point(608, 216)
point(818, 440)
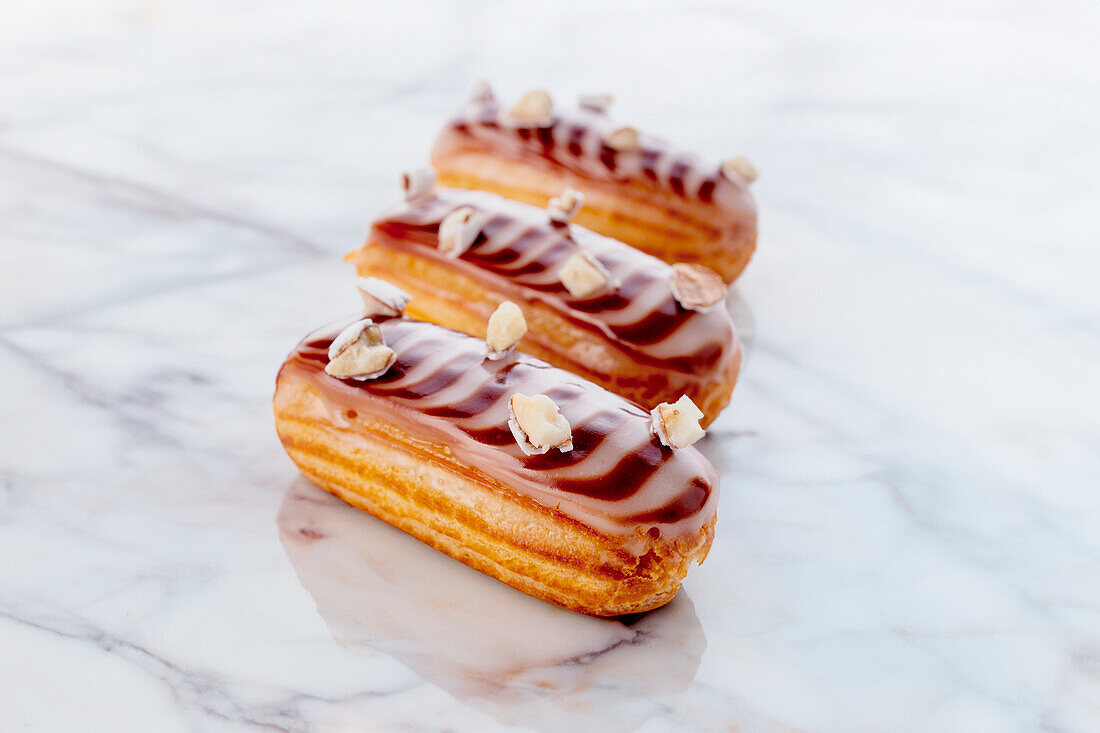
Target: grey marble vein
point(908, 534)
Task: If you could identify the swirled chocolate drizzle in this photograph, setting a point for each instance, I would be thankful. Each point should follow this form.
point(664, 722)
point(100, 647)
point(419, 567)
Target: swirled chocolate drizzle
point(519, 252)
point(618, 479)
point(575, 141)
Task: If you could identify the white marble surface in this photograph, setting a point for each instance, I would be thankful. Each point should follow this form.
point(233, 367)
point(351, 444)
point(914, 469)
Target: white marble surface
point(909, 532)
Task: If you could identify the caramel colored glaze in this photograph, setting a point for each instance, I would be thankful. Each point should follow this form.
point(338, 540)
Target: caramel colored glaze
point(618, 479)
point(573, 143)
point(518, 253)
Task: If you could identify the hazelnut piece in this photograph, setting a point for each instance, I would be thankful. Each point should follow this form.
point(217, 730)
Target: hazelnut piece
point(565, 205)
point(740, 166)
point(418, 184)
point(459, 230)
point(537, 425)
point(482, 92)
point(677, 425)
point(596, 102)
point(696, 287)
point(583, 275)
point(381, 298)
point(623, 139)
point(359, 352)
point(506, 327)
point(534, 109)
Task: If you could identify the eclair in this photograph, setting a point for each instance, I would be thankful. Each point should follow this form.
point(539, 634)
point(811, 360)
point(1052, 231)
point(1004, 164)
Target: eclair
point(637, 189)
point(514, 467)
point(479, 263)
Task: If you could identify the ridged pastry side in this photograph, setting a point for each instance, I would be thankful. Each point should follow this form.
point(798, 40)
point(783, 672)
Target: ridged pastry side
point(418, 487)
point(606, 525)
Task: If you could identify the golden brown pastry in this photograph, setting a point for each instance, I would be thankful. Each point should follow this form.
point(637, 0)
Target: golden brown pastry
point(523, 471)
point(637, 189)
point(616, 316)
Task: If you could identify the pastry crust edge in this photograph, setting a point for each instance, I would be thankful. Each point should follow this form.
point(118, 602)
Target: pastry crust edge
point(379, 469)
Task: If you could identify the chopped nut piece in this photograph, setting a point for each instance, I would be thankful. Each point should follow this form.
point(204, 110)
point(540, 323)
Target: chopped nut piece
point(381, 298)
point(696, 287)
point(583, 275)
point(741, 166)
point(677, 425)
point(459, 230)
point(623, 139)
point(537, 425)
point(482, 92)
point(565, 206)
point(506, 327)
point(359, 352)
point(418, 184)
point(596, 102)
point(534, 109)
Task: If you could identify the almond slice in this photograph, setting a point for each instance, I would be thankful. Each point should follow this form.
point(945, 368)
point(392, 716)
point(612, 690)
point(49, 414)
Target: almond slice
point(381, 298)
point(459, 229)
point(565, 205)
point(507, 327)
point(696, 287)
point(359, 352)
point(583, 275)
point(537, 425)
point(739, 166)
point(677, 425)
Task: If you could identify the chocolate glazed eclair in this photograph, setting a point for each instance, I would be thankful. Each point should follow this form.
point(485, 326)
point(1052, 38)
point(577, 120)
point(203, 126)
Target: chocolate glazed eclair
point(521, 470)
point(643, 329)
point(637, 188)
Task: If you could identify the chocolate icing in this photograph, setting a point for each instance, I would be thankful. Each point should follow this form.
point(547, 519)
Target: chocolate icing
point(574, 140)
point(618, 479)
point(519, 252)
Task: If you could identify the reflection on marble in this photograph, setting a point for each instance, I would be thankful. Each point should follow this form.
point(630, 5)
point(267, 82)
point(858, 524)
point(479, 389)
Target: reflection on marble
point(907, 536)
point(523, 660)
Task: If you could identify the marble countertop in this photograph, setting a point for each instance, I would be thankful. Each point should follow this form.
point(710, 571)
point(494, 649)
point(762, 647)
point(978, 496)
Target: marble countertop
point(909, 533)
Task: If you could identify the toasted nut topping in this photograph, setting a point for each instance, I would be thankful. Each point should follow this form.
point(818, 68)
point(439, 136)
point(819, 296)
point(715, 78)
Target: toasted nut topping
point(741, 166)
point(359, 352)
point(537, 425)
point(418, 184)
point(583, 275)
point(596, 102)
point(381, 298)
point(482, 92)
point(677, 425)
point(623, 139)
point(696, 287)
point(565, 206)
point(534, 109)
point(459, 230)
point(362, 330)
point(506, 327)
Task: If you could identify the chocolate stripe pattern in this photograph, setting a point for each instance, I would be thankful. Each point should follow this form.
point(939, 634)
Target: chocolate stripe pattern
point(575, 140)
point(618, 479)
point(520, 250)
